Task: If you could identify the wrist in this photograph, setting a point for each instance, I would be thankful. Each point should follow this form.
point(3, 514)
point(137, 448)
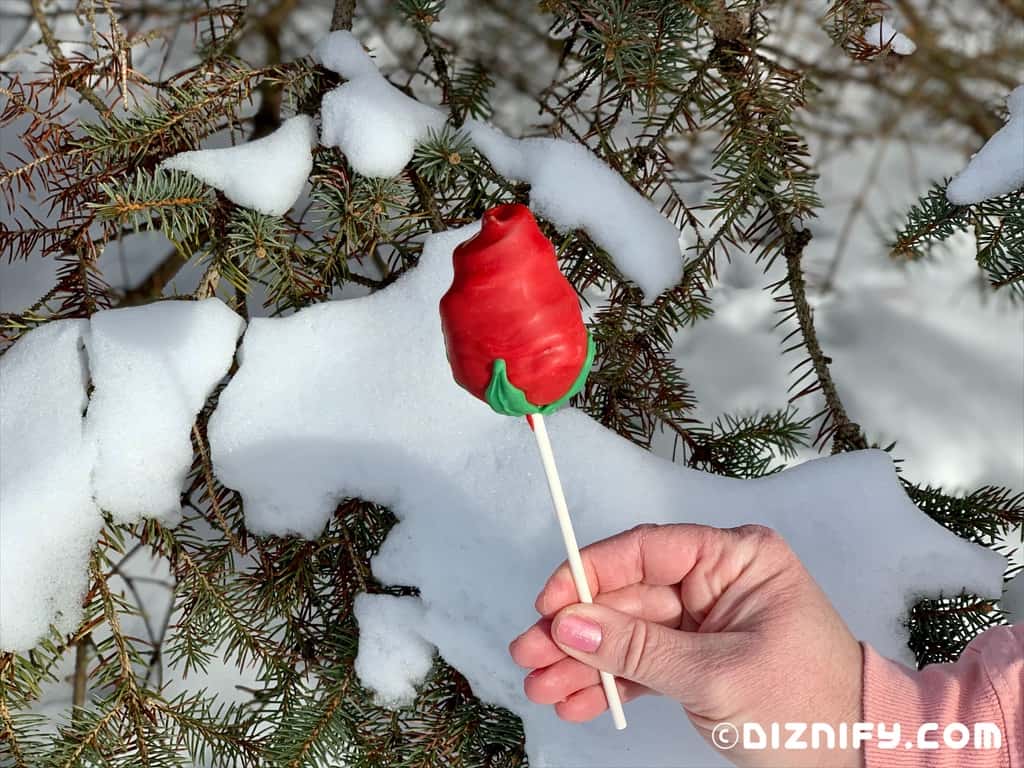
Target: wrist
point(916, 708)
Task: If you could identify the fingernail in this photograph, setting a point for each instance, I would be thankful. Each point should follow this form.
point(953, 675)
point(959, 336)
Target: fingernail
point(579, 633)
point(535, 672)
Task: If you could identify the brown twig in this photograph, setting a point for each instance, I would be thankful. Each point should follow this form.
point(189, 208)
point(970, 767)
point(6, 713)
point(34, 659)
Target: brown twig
point(847, 434)
point(81, 678)
point(208, 282)
point(426, 197)
point(858, 205)
point(327, 712)
point(152, 285)
point(268, 117)
point(204, 459)
point(342, 16)
point(441, 69)
point(60, 61)
point(8, 737)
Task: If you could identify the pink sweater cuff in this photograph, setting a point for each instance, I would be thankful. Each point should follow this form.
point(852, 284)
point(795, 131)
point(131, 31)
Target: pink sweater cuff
point(984, 686)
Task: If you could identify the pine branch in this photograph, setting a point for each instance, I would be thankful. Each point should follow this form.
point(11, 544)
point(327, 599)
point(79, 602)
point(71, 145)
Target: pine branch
point(88, 734)
point(327, 710)
point(846, 435)
point(940, 629)
point(8, 735)
point(207, 609)
point(997, 224)
point(747, 446)
point(760, 155)
point(426, 197)
point(931, 220)
point(208, 282)
point(176, 202)
point(468, 94)
point(441, 69)
point(197, 724)
point(61, 63)
point(199, 441)
point(982, 516)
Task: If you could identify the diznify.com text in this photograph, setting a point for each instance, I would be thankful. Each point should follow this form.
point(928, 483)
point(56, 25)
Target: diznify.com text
point(818, 736)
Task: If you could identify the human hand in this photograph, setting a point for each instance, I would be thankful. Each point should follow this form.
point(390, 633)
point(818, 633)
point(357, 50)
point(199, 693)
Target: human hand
point(725, 621)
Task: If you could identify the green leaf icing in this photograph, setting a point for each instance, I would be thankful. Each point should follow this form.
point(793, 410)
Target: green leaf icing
point(506, 398)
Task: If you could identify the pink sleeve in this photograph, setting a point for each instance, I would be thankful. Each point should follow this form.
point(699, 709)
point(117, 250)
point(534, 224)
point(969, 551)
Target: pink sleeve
point(984, 686)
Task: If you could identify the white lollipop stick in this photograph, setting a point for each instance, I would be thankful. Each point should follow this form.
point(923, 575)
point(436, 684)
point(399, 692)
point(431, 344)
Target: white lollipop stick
point(572, 548)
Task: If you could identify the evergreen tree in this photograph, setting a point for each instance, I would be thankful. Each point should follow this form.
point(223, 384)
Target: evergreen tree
point(698, 79)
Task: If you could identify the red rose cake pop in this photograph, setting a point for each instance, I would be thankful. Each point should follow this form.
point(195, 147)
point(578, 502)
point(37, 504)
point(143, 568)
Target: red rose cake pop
point(515, 339)
point(511, 321)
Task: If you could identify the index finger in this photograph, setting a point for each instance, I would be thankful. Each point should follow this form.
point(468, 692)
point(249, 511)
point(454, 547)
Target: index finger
point(647, 554)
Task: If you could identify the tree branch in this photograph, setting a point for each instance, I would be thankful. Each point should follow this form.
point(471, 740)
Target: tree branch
point(342, 16)
point(441, 69)
point(153, 283)
point(848, 435)
point(81, 672)
point(427, 201)
point(60, 62)
point(8, 735)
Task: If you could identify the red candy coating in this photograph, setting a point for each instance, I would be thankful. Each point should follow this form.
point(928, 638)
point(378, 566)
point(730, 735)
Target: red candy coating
point(510, 301)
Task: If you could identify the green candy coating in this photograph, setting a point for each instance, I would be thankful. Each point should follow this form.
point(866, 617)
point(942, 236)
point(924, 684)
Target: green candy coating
point(506, 398)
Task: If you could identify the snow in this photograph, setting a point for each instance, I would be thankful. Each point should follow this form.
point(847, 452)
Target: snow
point(152, 368)
point(341, 52)
point(374, 124)
point(48, 521)
point(883, 34)
point(891, 334)
point(891, 350)
point(377, 127)
point(393, 657)
point(891, 328)
point(732, 360)
point(366, 407)
point(267, 174)
point(998, 167)
point(125, 447)
point(571, 187)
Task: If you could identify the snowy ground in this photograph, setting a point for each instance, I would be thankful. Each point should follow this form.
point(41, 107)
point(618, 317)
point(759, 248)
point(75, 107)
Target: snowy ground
point(923, 354)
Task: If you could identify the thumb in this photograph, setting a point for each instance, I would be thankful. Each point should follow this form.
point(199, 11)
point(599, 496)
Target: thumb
point(663, 659)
